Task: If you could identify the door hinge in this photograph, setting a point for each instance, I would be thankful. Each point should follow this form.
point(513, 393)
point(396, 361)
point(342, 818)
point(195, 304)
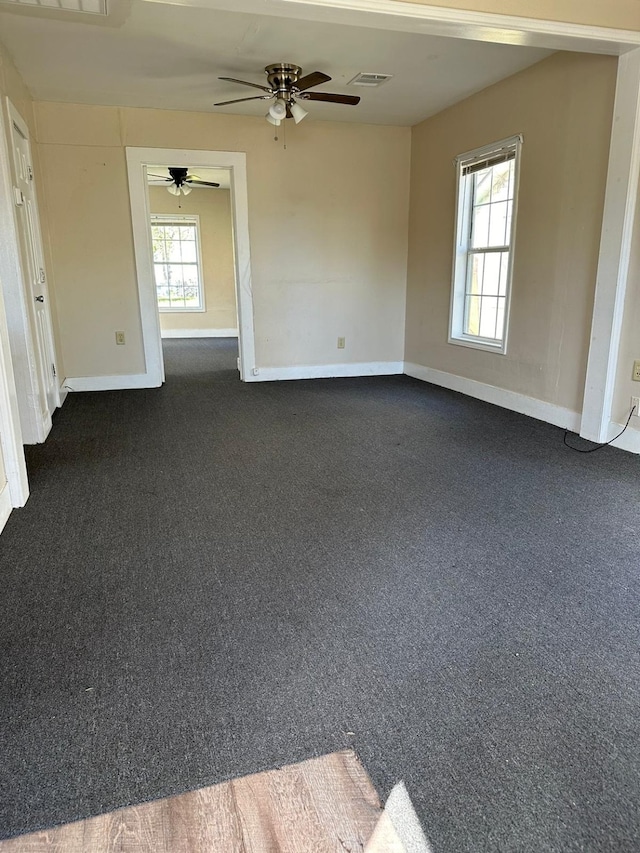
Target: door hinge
point(53, 369)
point(42, 277)
point(30, 170)
point(18, 198)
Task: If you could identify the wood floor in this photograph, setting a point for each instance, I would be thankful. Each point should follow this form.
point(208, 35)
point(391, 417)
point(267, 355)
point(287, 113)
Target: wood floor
point(324, 805)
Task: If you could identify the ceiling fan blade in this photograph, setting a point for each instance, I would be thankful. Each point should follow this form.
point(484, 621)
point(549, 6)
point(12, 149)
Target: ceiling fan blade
point(159, 177)
point(239, 100)
point(333, 99)
point(312, 79)
point(201, 183)
point(246, 83)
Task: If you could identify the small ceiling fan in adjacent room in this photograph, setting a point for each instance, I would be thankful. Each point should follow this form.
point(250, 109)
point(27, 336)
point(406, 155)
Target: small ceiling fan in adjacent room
point(181, 182)
point(287, 88)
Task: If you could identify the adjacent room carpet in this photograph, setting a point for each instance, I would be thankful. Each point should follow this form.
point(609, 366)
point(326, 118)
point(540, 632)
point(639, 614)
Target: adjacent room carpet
point(214, 578)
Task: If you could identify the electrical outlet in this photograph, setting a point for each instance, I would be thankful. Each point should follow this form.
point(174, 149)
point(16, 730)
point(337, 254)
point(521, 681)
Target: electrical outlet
point(341, 342)
point(120, 338)
point(636, 370)
point(635, 401)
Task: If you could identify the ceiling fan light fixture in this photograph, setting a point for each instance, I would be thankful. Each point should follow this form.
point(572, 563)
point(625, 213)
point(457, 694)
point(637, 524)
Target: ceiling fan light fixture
point(272, 120)
point(186, 189)
point(298, 112)
point(278, 109)
point(173, 189)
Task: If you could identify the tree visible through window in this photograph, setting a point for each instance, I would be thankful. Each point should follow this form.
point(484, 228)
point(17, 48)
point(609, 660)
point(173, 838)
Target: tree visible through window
point(176, 263)
point(487, 181)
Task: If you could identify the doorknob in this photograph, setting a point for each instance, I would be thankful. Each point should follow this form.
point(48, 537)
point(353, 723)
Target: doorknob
point(39, 298)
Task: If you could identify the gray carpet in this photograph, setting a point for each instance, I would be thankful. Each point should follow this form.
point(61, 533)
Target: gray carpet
point(213, 579)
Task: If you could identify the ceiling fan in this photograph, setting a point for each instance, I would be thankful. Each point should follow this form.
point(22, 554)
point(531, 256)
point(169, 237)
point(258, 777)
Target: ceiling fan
point(287, 88)
point(180, 181)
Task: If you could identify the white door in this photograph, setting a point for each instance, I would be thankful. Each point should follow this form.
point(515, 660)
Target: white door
point(37, 298)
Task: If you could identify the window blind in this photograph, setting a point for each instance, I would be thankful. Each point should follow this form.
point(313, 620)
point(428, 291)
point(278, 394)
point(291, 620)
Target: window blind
point(488, 160)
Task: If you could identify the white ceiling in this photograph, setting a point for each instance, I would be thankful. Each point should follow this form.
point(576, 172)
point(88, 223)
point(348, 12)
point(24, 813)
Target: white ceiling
point(151, 54)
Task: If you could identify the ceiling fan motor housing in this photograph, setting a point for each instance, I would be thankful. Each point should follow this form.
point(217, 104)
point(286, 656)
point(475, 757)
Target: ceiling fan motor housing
point(282, 77)
point(178, 174)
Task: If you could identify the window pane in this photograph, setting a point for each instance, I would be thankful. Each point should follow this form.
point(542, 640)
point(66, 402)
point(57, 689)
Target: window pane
point(187, 232)
point(501, 181)
point(491, 282)
point(472, 315)
point(189, 252)
point(498, 224)
point(173, 250)
point(504, 272)
point(480, 227)
point(476, 274)
point(482, 194)
point(161, 274)
point(488, 316)
point(174, 274)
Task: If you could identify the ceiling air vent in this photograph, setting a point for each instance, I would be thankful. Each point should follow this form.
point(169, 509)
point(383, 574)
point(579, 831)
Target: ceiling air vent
point(369, 78)
point(91, 7)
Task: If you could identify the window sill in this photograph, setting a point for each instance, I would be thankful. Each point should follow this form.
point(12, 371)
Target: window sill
point(182, 310)
point(498, 347)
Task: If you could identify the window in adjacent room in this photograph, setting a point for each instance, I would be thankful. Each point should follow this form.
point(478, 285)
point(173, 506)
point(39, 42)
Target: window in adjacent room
point(176, 262)
point(483, 256)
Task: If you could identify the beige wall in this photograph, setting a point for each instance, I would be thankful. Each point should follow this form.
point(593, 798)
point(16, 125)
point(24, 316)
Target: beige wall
point(213, 206)
point(622, 14)
point(563, 106)
point(327, 220)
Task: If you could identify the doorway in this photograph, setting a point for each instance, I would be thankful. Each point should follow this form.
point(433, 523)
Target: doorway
point(143, 163)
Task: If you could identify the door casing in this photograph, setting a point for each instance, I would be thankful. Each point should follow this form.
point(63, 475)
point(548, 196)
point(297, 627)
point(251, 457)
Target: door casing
point(137, 161)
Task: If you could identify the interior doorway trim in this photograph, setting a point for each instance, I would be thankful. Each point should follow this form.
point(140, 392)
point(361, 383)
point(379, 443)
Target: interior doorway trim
point(616, 241)
point(449, 21)
point(137, 161)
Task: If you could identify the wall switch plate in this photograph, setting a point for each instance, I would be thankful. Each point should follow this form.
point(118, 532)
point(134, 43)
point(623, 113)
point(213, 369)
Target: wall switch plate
point(635, 401)
point(341, 342)
point(636, 370)
point(120, 338)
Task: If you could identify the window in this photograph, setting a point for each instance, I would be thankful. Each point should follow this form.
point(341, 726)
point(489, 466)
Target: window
point(485, 228)
point(176, 263)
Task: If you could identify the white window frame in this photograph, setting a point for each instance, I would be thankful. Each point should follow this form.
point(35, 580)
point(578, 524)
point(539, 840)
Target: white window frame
point(462, 240)
point(187, 219)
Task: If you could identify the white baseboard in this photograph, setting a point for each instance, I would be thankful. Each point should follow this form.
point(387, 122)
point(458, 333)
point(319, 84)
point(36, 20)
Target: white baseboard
point(549, 412)
point(63, 391)
point(109, 383)
point(326, 371)
point(199, 333)
point(629, 441)
point(5, 505)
